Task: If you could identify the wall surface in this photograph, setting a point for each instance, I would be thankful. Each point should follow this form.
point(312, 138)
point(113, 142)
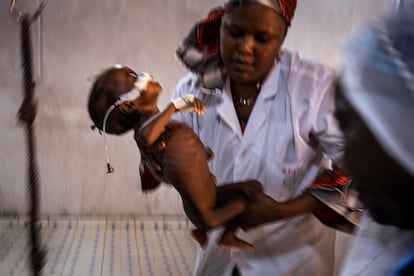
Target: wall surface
point(78, 39)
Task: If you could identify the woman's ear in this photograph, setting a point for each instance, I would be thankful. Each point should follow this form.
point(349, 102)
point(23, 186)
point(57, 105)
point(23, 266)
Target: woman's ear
point(127, 107)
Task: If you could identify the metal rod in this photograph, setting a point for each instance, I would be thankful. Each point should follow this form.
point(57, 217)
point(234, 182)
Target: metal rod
point(38, 48)
point(39, 44)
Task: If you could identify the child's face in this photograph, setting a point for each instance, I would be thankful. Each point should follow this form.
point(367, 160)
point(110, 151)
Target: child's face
point(120, 83)
point(125, 80)
point(149, 96)
point(148, 89)
point(383, 185)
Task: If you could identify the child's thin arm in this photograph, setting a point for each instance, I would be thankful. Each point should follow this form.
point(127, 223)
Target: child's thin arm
point(154, 127)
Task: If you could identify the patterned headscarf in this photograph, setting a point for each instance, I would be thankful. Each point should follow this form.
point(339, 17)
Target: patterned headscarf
point(379, 81)
point(200, 49)
point(285, 8)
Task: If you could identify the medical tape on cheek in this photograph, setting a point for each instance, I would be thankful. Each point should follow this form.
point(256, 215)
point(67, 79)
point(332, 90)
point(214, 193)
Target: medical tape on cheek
point(140, 85)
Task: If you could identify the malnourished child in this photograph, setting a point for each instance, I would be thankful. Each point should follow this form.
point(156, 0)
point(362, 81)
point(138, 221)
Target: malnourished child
point(121, 100)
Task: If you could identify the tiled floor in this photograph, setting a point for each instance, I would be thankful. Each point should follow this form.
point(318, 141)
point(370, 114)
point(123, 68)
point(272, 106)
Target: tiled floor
point(106, 246)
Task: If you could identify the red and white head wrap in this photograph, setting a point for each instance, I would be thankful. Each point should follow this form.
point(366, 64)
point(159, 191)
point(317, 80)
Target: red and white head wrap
point(285, 8)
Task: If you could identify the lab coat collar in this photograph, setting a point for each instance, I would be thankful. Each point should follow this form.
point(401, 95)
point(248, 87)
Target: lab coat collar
point(227, 112)
point(263, 103)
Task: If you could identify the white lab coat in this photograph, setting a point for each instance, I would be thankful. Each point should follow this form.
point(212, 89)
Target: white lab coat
point(295, 101)
point(377, 249)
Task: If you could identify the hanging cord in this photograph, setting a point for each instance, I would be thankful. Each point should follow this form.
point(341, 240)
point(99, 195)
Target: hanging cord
point(27, 114)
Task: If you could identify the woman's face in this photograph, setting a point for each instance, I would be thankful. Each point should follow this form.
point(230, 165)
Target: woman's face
point(383, 185)
point(251, 36)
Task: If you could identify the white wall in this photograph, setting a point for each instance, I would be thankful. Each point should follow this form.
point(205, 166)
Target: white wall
point(82, 37)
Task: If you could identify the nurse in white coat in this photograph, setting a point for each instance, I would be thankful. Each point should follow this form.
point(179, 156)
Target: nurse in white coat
point(376, 111)
point(269, 117)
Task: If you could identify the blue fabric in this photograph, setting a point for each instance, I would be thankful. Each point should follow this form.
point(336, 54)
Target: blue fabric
point(406, 267)
point(370, 50)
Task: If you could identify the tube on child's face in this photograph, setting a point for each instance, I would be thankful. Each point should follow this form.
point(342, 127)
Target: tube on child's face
point(143, 79)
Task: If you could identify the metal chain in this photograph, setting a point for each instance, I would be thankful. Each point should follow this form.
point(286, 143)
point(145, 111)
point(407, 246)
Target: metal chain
point(27, 115)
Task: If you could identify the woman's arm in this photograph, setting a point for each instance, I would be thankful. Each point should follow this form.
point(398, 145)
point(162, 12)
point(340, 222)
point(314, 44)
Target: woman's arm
point(264, 209)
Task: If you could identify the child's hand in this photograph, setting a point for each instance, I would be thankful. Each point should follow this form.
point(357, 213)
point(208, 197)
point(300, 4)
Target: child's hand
point(189, 103)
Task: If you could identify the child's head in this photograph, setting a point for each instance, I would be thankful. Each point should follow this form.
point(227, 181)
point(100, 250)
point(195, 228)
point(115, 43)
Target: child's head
point(117, 94)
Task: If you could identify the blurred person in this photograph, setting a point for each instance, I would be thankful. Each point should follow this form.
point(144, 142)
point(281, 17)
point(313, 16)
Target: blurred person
point(375, 109)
